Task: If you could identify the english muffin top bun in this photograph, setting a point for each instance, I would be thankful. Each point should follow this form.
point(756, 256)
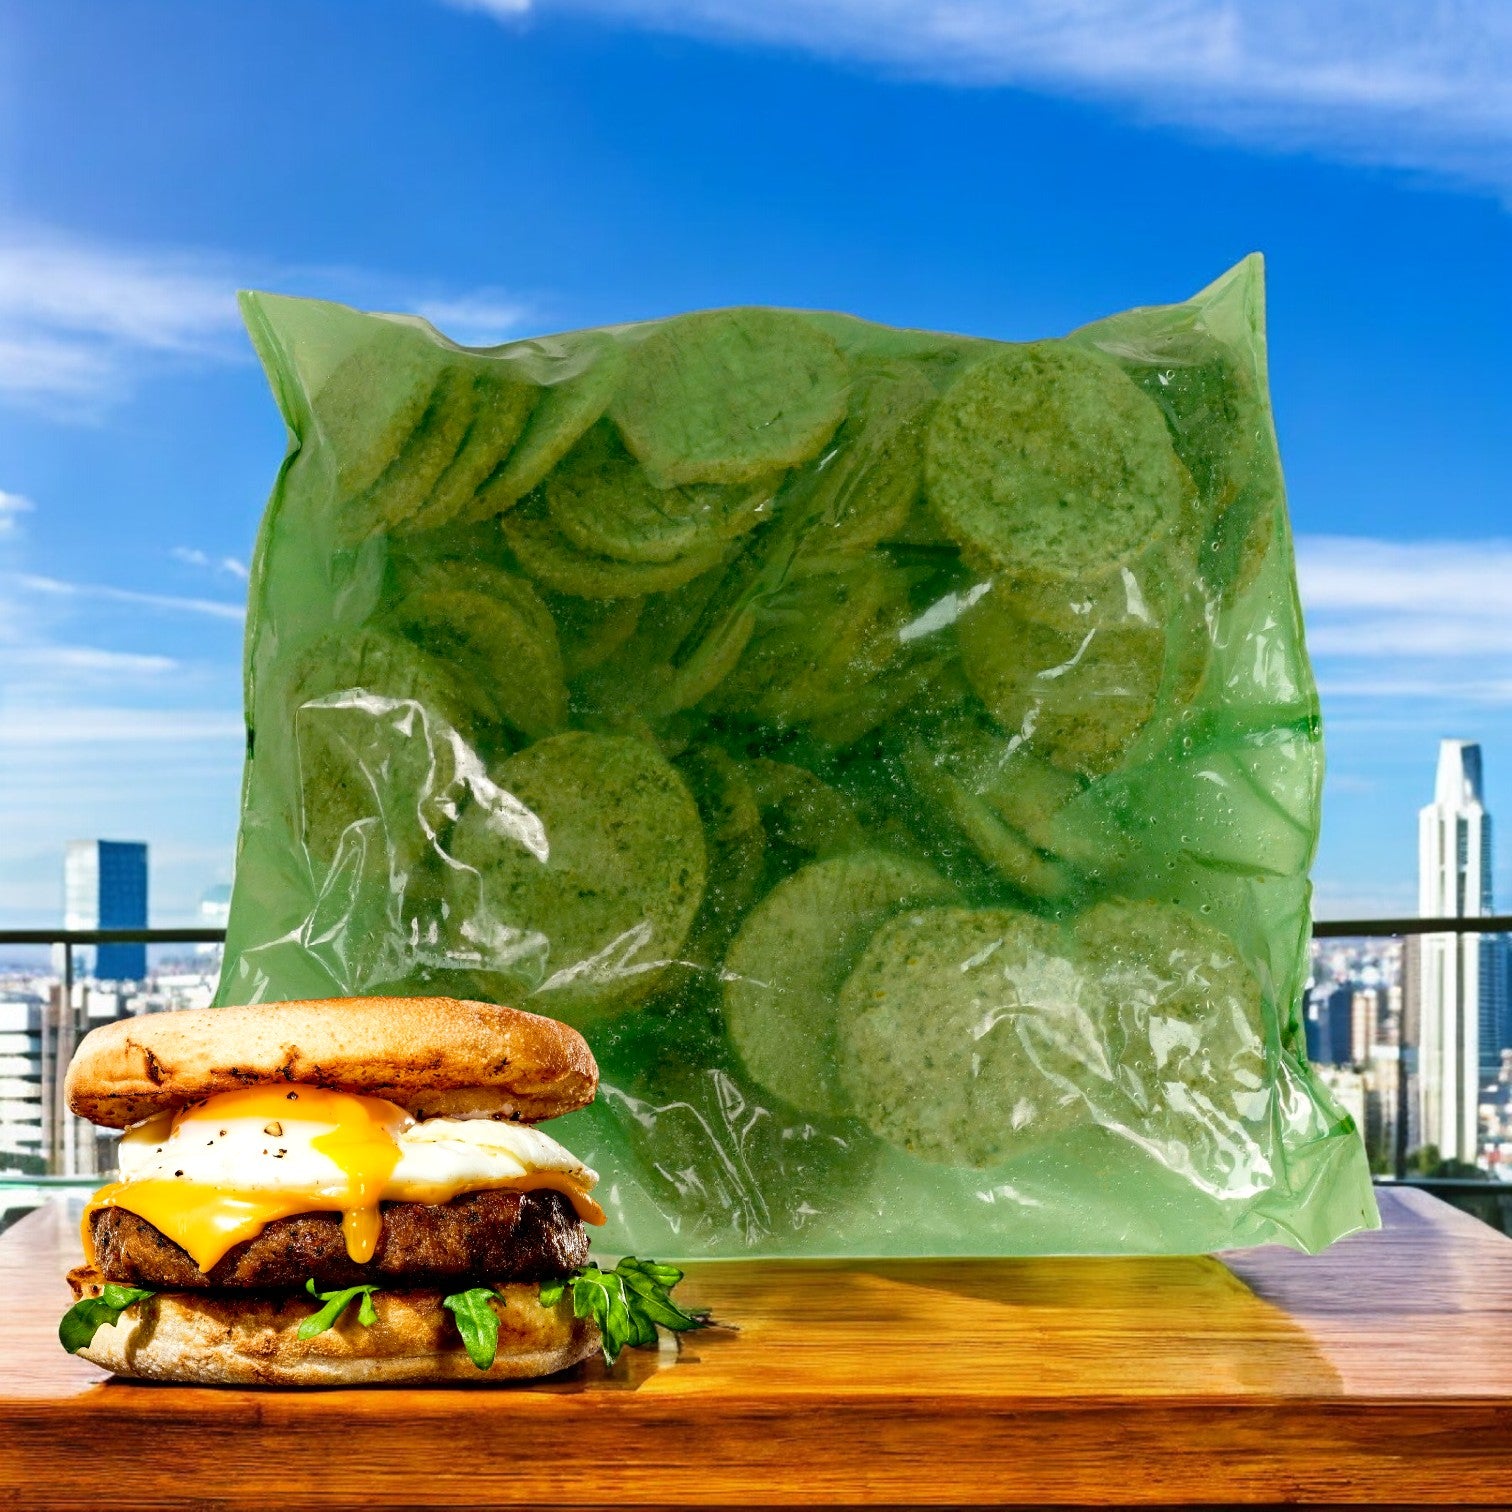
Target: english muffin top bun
point(434, 1057)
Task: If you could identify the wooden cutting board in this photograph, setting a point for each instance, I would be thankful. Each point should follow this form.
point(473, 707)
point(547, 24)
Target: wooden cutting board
point(1378, 1373)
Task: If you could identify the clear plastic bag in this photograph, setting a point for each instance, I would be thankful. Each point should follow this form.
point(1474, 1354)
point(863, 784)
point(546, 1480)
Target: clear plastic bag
point(896, 751)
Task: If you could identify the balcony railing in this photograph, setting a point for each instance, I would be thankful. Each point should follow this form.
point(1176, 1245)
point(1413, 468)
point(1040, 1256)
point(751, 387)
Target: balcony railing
point(64, 1022)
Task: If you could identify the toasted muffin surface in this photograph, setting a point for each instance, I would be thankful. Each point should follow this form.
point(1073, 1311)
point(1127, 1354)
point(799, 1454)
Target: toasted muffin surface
point(433, 1056)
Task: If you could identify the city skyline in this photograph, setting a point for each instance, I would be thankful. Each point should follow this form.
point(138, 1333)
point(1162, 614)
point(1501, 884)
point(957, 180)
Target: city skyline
point(508, 170)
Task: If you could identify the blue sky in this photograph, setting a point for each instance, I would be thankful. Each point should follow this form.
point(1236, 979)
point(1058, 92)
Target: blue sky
point(507, 168)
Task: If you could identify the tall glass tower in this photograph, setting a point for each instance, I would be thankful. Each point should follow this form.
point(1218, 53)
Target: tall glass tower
point(105, 887)
point(1462, 991)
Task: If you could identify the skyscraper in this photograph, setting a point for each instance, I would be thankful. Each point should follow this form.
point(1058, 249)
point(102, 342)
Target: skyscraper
point(1461, 987)
point(105, 887)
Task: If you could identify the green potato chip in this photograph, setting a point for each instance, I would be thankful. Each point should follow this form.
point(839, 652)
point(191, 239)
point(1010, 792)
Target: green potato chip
point(1081, 700)
point(374, 720)
point(399, 501)
point(967, 1036)
point(372, 403)
point(717, 1159)
point(729, 396)
point(803, 816)
point(819, 642)
point(579, 868)
point(1039, 827)
point(1185, 1013)
point(969, 797)
point(590, 631)
point(785, 967)
point(575, 392)
point(866, 486)
point(604, 502)
point(503, 641)
point(1221, 431)
point(683, 647)
point(1046, 461)
point(554, 562)
point(734, 841)
point(500, 409)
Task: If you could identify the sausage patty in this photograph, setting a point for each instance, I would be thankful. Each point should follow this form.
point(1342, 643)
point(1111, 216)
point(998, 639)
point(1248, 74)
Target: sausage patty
point(494, 1236)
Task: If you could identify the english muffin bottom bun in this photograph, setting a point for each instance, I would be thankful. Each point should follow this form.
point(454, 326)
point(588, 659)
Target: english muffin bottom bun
point(254, 1340)
point(334, 1192)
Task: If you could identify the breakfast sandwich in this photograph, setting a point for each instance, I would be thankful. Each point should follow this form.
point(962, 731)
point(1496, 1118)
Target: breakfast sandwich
point(346, 1192)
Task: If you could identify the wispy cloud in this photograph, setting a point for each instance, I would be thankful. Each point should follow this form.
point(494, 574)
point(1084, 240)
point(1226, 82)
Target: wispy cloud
point(82, 321)
point(1416, 84)
point(483, 319)
point(1410, 602)
point(51, 659)
point(171, 603)
point(191, 556)
point(12, 507)
point(1409, 620)
point(44, 727)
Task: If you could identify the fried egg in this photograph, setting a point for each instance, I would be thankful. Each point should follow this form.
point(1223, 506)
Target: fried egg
point(217, 1173)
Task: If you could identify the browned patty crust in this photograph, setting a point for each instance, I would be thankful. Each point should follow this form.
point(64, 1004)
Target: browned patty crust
point(505, 1236)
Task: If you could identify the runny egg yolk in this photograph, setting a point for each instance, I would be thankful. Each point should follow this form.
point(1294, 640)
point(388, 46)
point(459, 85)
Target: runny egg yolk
point(357, 1138)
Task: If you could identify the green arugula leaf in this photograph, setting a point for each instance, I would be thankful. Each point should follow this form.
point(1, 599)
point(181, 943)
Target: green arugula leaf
point(77, 1327)
point(627, 1303)
point(336, 1303)
point(477, 1322)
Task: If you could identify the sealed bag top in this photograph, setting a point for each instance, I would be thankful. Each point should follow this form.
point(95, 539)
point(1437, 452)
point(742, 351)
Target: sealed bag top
point(895, 750)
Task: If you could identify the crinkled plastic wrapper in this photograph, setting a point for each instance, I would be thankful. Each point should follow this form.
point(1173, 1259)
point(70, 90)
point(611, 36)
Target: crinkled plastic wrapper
point(896, 751)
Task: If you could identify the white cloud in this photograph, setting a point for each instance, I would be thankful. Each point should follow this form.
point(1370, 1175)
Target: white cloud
point(75, 316)
point(12, 507)
point(81, 322)
point(1418, 84)
point(1411, 602)
point(171, 603)
point(54, 659)
point(191, 556)
point(484, 319)
point(31, 728)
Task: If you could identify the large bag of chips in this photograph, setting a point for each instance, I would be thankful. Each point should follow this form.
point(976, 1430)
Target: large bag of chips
point(896, 751)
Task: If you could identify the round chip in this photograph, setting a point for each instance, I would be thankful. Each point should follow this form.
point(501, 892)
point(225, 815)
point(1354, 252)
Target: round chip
point(400, 499)
point(1081, 700)
point(803, 816)
point(734, 842)
point(603, 501)
point(819, 643)
point(369, 712)
point(567, 406)
point(504, 643)
point(867, 484)
point(579, 869)
point(964, 797)
point(554, 562)
point(786, 965)
point(1220, 429)
point(373, 402)
point(501, 406)
point(727, 396)
point(1045, 461)
point(592, 630)
point(967, 1035)
point(1186, 1015)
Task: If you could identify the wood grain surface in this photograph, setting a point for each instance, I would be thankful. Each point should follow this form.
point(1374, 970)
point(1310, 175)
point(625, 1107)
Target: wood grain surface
point(1378, 1373)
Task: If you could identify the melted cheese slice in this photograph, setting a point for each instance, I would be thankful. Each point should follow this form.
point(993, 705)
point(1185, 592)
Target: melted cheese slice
point(218, 1173)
